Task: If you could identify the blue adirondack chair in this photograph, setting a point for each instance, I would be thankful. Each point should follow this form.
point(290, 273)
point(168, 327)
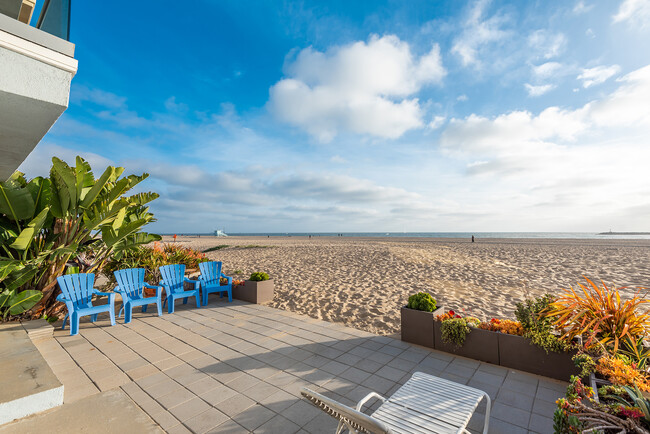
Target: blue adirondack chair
point(211, 280)
point(173, 278)
point(131, 286)
point(77, 293)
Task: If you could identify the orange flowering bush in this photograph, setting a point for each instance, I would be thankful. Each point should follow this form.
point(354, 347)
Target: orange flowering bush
point(503, 326)
point(620, 373)
point(447, 315)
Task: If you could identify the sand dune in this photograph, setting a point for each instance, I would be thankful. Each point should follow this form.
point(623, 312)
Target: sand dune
point(363, 282)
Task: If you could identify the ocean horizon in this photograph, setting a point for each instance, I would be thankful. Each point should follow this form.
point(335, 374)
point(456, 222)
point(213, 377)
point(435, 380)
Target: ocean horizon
point(477, 235)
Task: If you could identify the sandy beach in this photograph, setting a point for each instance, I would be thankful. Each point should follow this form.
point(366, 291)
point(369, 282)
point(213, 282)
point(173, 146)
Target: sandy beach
point(363, 282)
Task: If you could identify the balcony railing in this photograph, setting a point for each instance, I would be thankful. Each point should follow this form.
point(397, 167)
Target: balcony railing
point(53, 15)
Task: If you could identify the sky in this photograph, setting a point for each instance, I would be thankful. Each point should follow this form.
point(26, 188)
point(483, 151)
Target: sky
point(372, 116)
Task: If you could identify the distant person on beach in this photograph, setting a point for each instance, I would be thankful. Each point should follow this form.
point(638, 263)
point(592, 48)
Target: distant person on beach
point(174, 237)
point(472, 238)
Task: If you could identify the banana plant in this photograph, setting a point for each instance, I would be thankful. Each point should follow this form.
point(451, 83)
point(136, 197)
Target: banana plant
point(70, 217)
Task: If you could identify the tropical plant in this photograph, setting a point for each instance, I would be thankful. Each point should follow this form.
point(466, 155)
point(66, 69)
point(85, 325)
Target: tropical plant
point(635, 352)
point(600, 314)
point(637, 400)
point(454, 331)
point(585, 363)
point(70, 217)
point(447, 315)
point(422, 301)
point(259, 276)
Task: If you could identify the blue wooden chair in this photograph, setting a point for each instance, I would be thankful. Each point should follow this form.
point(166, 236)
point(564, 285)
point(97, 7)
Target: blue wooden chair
point(77, 293)
point(210, 279)
point(173, 278)
point(131, 286)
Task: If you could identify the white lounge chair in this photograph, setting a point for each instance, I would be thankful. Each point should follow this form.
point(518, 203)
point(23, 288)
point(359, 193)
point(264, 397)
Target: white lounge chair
point(424, 404)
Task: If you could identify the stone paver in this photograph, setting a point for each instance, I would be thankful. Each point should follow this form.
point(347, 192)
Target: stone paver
point(238, 367)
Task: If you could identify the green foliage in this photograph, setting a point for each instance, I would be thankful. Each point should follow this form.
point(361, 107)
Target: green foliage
point(16, 303)
point(259, 276)
point(538, 327)
point(69, 217)
point(237, 272)
point(635, 352)
point(564, 422)
point(454, 331)
point(254, 246)
point(215, 248)
point(585, 363)
point(422, 301)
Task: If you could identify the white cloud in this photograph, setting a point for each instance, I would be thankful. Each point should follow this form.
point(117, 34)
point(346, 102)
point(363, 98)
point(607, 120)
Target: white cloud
point(39, 161)
point(338, 160)
point(462, 98)
point(597, 75)
point(80, 94)
point(547, 44)
point(361, 87)
point(581, 8)
point(478, 32)
point(437, 122)
point(538, 90)
point(636, 12)
point(548, 69)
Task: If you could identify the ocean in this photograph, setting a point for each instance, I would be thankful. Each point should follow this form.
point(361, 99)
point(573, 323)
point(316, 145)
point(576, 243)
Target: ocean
point(477, 235)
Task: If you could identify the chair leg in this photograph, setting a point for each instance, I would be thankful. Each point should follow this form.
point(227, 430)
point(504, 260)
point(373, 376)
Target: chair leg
point(198, 300)
point(170, 305)
point(111, 312)
point(205, 297)
point(64, 320)
point(229, 295)
point(128, 313)
point(185, 300)
point(144, 308)
point(74, 324)
point(93, 317)
point(119, 314)
point(159, 306)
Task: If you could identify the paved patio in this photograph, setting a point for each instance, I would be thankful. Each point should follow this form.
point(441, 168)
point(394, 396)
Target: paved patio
point(238, 367)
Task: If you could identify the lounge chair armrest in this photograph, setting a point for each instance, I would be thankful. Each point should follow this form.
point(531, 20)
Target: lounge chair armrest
point(98, 292)
point(191, 281)
point(227, 277)
point(146, 285)
point(61, 298)
point(369, 396)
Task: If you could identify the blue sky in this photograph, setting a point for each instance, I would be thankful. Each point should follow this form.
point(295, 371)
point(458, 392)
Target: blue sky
point(368, 115)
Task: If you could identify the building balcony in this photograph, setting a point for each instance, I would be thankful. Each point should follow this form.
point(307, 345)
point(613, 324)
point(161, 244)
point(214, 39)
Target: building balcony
point(37, 65)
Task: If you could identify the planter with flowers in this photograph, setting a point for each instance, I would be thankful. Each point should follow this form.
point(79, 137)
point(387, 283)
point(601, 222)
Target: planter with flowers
point(464, 337)
point(258, 289)
point(417, 319)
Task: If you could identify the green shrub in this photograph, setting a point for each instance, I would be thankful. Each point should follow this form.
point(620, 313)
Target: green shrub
point(585, 363)
point(259, 276)
point(422, 301)
point(454, 331)
point(538, 326)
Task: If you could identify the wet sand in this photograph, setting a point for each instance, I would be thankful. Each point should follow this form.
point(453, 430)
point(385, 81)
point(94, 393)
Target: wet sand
point(363, 282)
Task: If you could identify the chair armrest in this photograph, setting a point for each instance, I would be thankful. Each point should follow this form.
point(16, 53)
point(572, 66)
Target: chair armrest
point(146, 285)
point(98, 292)
point(191, 281)
point(227, 277)
point(61, 298)
point(369, 396)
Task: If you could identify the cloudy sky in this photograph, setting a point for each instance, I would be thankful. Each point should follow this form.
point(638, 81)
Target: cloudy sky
point(367, 115)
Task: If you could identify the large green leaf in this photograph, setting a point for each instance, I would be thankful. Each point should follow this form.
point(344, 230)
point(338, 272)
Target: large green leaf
point(19, 277)
point(27, 235)
point(92, 194)
point(5, 296)
point(41, 190)
point(65, 187)
point(23, 301)
point(15, 201)
point(8, 266)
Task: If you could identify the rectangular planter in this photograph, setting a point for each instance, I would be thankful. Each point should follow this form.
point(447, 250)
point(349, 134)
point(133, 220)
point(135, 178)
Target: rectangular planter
point(479, 344)
point(417, 326)
point(517, 352)
point(254, 292)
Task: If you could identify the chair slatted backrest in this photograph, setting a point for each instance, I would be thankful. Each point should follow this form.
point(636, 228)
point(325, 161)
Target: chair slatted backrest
point(78, 288)
point(173, 276)
point(131, 281)
point(210, 273)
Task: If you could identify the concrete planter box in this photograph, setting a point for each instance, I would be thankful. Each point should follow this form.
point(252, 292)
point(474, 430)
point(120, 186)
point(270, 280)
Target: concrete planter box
point(254, 292)
point(479, 344)
point(417, 326)
point(517, 352)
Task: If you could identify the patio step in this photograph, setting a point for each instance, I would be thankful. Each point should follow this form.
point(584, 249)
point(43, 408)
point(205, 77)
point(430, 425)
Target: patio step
point(28, 384)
